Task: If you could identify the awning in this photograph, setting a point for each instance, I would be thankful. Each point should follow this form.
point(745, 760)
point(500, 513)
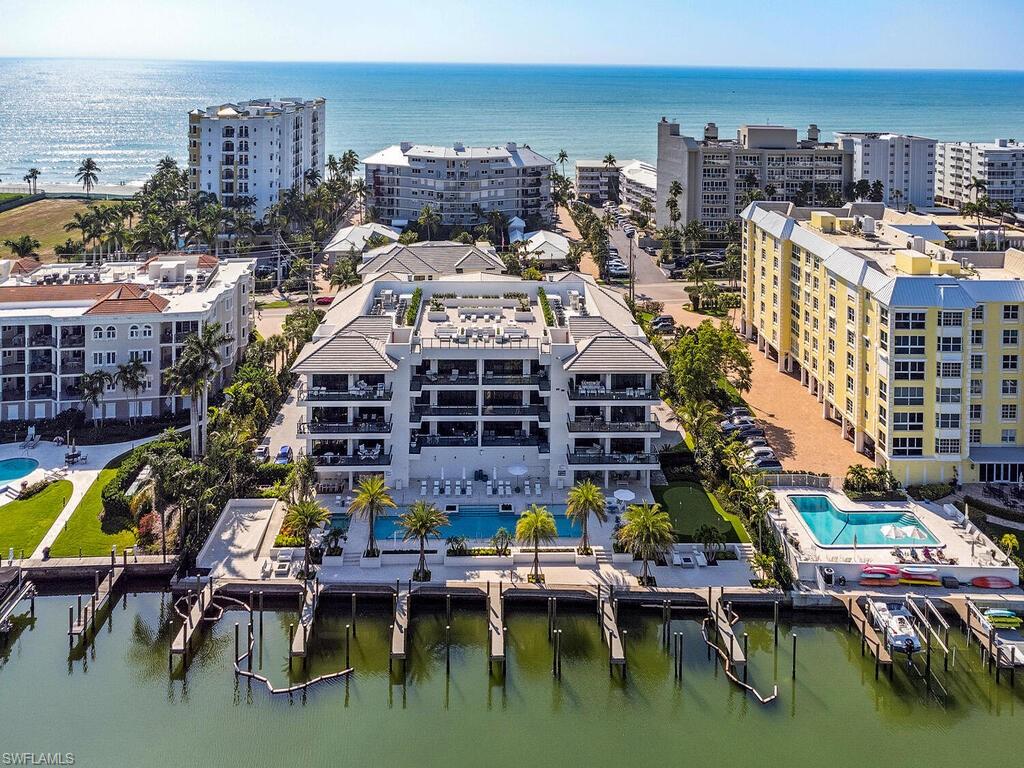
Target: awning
point(997, 454)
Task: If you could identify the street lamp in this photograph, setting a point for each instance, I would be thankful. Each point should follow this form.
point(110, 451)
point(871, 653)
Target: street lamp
point(632, 270)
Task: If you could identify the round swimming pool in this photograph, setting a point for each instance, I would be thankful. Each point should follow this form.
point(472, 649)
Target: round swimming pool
point(12, 469)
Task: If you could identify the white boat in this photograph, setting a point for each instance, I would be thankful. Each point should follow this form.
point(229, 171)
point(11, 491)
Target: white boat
point(893, 620)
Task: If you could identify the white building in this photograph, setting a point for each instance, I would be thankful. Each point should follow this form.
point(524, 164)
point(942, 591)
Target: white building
point(549, 248)
point(255, 149)
point(596, 181)
point(638, 181)
point(59, 321)
point(478, 381)
point(901, 162)
point(462, 184)
point(354, 239)
point(999, 164)
point(716, 174)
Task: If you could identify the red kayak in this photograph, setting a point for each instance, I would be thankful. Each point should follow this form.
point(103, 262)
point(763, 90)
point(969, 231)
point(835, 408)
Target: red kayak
point(991, 582)
point(889, 570)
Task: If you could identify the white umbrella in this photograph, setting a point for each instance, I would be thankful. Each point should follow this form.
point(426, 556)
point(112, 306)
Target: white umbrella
point(891, 531)
point(855, 541)
point(912, 532)
point(463, 473)
point(624, 494)
point(517, 470)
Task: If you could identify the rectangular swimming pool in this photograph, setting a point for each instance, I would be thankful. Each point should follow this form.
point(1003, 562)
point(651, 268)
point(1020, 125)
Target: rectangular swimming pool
point(473, 521)
point(832, 527)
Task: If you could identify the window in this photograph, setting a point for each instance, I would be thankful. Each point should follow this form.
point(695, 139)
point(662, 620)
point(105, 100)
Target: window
point(1010, 337)
point(111, 332)
point(850, 315)
point(909, 370)
point(907, 446)
point(948, 370)
point(978, 313)
point(908, 396)
point(909, 345)
point(974, 411)
point(97, 333)
point(911, 421)
point(883, 390)
point(977, 337)
point(850, 338)
point(831, 345)
point(947, 445)
point(974, 436)
point(111, 358)
point(910, 321)
point(97, 358)
point(977, 362)
point(950, 344)
point(849, 360)
point(1009, 387)
point(881, 415)
point(145, 355)
point(1011, 312)
point(947, 394)
point(1010, 362)
point(133, 332)
point(1008, 412)
point(883, 340)
point(1008, 436)
point(949, 319)
point(977, 387)
point(947, 421)
point(147, 331)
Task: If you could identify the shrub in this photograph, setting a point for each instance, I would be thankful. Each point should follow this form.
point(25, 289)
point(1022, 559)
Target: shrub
point(287, 540)
point(35, 488)
point(272, 474)
point(146, 532)
point(545, 307)
point(930, 491)
point(414, 307)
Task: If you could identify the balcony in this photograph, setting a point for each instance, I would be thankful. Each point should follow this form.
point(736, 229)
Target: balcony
point(70, 341)
point(41, 392)
point(42, 340)
point(442, 380)
point(419, 411)
point(341, 460)
point(13, 394)
point(419, 442)
point(323, 394)
point(40, 366)
point(517, 410)
point(585, 456)
point(601, 393)
point(600, 425)
point(342, 427)
point(13, 369)
point(517, 380)
point(492, 440)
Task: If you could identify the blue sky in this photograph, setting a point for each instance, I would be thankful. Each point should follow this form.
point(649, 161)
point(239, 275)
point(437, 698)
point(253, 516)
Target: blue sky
point(955, 34)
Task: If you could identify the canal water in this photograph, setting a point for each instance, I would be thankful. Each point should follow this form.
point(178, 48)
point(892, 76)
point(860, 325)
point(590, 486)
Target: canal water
point(117, 704)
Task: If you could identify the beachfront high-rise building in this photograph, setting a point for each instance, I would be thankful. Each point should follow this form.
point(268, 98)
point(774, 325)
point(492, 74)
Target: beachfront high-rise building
point(60, 321)
point(491, 372)
point(621, 182)
point(999, 165)
point(254, 150)
point(716, 174)
point(462, 184)
point(638, 181)
point(913, 349)
point(904, 164)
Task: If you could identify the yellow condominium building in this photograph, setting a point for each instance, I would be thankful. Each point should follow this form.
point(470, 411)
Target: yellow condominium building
point(912, 348)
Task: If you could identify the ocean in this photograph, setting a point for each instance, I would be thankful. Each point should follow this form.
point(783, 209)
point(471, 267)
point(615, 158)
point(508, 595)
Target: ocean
point(129, 114)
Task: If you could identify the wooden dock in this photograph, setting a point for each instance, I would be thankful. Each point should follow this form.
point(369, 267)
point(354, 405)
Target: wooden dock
point(400, 627)
point(868, 636)
point(610, 633)
point(182, 642)
point(1003, 649)
point(97, 602)
point(730, 644)
point(496, 622)
point(310, 598)
point(24, 589)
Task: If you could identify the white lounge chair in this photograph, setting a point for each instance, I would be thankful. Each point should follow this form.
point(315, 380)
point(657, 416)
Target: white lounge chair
point(469, 487)
point(699, 559)
point(490, 488)
point(437, 488)
point(536, 488)
point(423, 487)
point(526, 487)
point(447, 487)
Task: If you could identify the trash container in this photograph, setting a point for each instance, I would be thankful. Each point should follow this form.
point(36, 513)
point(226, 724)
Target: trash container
point(829, 575)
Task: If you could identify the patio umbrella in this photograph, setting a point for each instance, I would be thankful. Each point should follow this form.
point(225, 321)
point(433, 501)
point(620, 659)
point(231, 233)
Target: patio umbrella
point(891, 531)
point(624, 494)
point(912, 532)
point(855, 542)
point(517, 470)
point(463, 473)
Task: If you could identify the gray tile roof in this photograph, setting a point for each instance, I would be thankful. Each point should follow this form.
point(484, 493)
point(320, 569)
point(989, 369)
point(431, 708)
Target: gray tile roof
point(584, 327)
point(435, 259)
point(344, 352)
point(609, 351)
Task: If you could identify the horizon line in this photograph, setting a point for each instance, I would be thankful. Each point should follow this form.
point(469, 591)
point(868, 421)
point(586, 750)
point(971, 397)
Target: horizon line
point(567, 65)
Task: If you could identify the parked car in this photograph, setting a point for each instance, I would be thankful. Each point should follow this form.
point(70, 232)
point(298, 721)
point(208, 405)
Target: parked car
point(749, 430)
point(761, 452)
point(755, 442)
point(618, 272)
point(736, 422)
point(262, 454)
point(323, 301)
point(767, 465)
point(663, 324)
point(738, 410)
point(285, 455)
point(677, 274)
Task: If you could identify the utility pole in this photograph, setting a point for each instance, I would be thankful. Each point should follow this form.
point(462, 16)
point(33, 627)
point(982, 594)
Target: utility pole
point(632, 271)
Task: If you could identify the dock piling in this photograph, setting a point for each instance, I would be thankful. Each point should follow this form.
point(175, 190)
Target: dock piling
point(236, 648)
point(353, 614)
point(794, 656)
point(746, 657)
point(248, 645)
point(291, 640)
point(776, 623)
point(347, 629)
point(448, 649)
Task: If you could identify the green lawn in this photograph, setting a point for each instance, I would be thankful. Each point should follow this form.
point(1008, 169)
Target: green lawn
point(6, 197)
point(277, 304)
point(24, 523)
point(690, 507)
point(85, 529)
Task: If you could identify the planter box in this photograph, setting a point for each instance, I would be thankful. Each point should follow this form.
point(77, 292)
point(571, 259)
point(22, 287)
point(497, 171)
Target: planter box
point(524, 317)
point(436, 316)
point(331, 561)
point(525, 557)
point(297, 552)
point(586, 561)
point(370, 562)
point(622, 558)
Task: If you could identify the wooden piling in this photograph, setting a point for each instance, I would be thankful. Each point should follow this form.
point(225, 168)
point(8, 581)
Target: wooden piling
point(794, 655)
point(776, 623)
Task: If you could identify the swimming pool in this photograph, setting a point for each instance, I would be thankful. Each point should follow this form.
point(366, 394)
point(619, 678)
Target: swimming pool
point(833, 527)
point(12, 469)
point(475, 521)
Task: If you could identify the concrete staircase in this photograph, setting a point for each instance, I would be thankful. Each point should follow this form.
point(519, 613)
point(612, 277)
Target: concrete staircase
point(746, 551)
point(603, 555)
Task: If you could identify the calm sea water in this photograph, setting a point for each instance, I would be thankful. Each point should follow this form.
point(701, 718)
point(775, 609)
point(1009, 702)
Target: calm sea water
point(128, 114)
point(116, 703)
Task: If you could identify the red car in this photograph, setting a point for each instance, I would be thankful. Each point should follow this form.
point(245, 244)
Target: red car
point(324, 300)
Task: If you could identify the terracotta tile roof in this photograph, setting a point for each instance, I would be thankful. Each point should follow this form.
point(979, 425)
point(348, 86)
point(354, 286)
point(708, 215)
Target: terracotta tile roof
point(25, 266)
point(109, 298)
point(130, 299)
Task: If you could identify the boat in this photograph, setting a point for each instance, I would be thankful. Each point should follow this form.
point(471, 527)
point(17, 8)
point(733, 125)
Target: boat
point(991, 582)
point(893, 620)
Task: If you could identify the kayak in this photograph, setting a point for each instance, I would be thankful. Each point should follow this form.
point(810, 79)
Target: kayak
point(918, 571)
point(921, 581)
point(885, 581)
point(1000, 613)
point(886, 570)
point(991, 582)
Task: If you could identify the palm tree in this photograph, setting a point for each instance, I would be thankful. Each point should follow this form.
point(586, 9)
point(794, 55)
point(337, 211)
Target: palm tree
point(536, 526)
point(31, 177)
point(735, 460)
point(83, 223)
point(165, 467)
point(977, 186)
point(359, 190)
point(372, 498)
point(343, 273)
point(1009, 543)
point(349, 164)
point(712, 539)
point(646, 532)
point(191, 375)
point(302, 518)
point(421, 521)
point(428, 219)
point(562, 159)
point(132, 378)
point(94, 388)
point(694, 233)
point(24, 247)
point(583, 500)
point(311, 178)
point(88, 174)
point(697, 274)
point(857, 477)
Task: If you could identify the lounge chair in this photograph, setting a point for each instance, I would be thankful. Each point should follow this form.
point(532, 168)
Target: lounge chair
point(447, 487)
point(423, 487)
point(469, 487)
point(536, 488)
point(526, 487)
point(437, 488)
point(490, 488)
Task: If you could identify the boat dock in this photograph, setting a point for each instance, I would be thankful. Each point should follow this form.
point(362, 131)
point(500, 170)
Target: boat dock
point(724, 618)
point(496, 622)
point(400, 626)
point(202, 600)
point(20, 589)
point(1000, 648)
point(868, 635)
point(99, 600)
point(310, 598)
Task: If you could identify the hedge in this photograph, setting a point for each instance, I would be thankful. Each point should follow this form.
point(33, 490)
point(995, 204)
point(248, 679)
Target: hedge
point(116, 504)
point(272, 474)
